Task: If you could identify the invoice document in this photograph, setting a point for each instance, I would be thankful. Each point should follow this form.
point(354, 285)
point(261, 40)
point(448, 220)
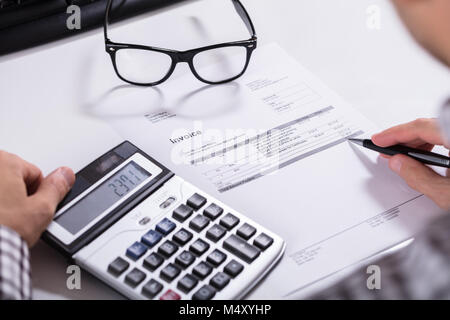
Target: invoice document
point(273, 144)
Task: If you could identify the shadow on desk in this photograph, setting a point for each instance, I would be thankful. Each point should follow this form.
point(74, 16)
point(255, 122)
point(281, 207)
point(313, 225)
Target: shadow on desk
point(49, 278)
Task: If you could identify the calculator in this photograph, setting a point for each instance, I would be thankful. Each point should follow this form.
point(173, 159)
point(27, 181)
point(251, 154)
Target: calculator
point(149, 234)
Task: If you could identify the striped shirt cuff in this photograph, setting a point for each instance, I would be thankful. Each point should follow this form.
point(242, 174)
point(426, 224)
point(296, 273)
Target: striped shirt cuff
point(15, 276)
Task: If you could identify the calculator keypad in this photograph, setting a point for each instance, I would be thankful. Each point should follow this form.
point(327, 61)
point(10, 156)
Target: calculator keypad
point(190, 258)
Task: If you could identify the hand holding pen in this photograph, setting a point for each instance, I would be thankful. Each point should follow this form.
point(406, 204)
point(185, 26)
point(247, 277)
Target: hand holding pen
point(422, 134)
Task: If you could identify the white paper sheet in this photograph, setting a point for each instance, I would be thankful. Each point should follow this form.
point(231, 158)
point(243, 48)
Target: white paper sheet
point(273, 146)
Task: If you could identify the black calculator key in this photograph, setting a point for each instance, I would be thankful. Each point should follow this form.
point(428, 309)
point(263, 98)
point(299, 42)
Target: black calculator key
point(229, 221)
point(134, 277)
point(182, 237)
point(199, 247)
point(152, 288)
point(204, 293)
point(170, 272)
point(202, 270)
point(199, 222)
point(263, 241)
point(187, 283)
point(167, 249)
point(151, 238)
point(136, 250)
point(182, 212)
point(241, 248)
point(196, 201)
point(118, 266)
point(233, 268)
point(213, 211)
point(185, 259)
point(219, 281)
point(246, 231)
point(216, 258)
point(153, 261)
point(216, 232)
point(165, 226)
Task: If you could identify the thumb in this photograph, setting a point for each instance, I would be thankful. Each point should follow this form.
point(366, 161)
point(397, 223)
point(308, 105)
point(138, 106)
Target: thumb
point(54, 187)
point(421, 178)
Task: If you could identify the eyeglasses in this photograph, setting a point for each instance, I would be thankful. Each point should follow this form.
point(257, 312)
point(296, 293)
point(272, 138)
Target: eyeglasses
point(150, 66)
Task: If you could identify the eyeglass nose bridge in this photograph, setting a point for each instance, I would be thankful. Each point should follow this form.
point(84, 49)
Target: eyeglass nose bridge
point(184, 56)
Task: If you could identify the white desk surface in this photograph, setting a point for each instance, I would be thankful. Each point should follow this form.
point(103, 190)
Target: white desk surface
point(45, 92)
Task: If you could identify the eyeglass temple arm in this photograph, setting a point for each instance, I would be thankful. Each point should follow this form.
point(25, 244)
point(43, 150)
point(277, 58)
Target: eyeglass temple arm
point(105, 21)
point(240, 9)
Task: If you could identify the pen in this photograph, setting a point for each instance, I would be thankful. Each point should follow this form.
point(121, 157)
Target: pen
point(423, 156)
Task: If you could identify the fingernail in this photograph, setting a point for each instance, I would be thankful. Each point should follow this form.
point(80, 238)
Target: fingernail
point(395, 164)
point(68, 176)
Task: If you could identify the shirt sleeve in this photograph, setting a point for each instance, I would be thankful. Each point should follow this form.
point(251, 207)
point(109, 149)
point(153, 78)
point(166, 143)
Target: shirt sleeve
point(15, 277)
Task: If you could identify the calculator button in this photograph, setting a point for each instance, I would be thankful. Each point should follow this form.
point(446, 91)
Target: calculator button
point(165, 226)
point(216, 258)
point(136, 250)
point(263, 241)
point(199, 222)
point(152, 288)
point(199, 247)
point(216, 232)
point(196, 201)
point(170, 295)
point(187, 283)
point(182, 212)
point(170, 272)
point(246, 231)
point(153, 261)
point(151, 238)
point(182, 237)
point(241, 248)
point(118, 266)
point(229, 221)
point(219, 281)
point(202, 270)
point(204, 293)
point(233, 268)
point(185, 259)
point(134, 277)
point(167, 249)
point(213, 211)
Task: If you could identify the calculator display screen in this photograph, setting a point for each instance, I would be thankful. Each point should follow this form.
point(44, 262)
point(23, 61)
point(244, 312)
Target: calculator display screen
point(102, 197)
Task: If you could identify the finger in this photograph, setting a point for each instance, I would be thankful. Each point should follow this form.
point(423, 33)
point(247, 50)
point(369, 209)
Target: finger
point(53, 189)
point(32, 176)
point(418, 132)
point(422, 179)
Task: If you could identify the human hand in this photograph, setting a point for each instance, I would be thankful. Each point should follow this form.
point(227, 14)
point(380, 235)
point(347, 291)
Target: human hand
point(422, 134)
point(28, 200)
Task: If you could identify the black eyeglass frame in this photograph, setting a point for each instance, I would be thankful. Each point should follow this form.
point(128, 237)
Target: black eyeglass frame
point(184, 56)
